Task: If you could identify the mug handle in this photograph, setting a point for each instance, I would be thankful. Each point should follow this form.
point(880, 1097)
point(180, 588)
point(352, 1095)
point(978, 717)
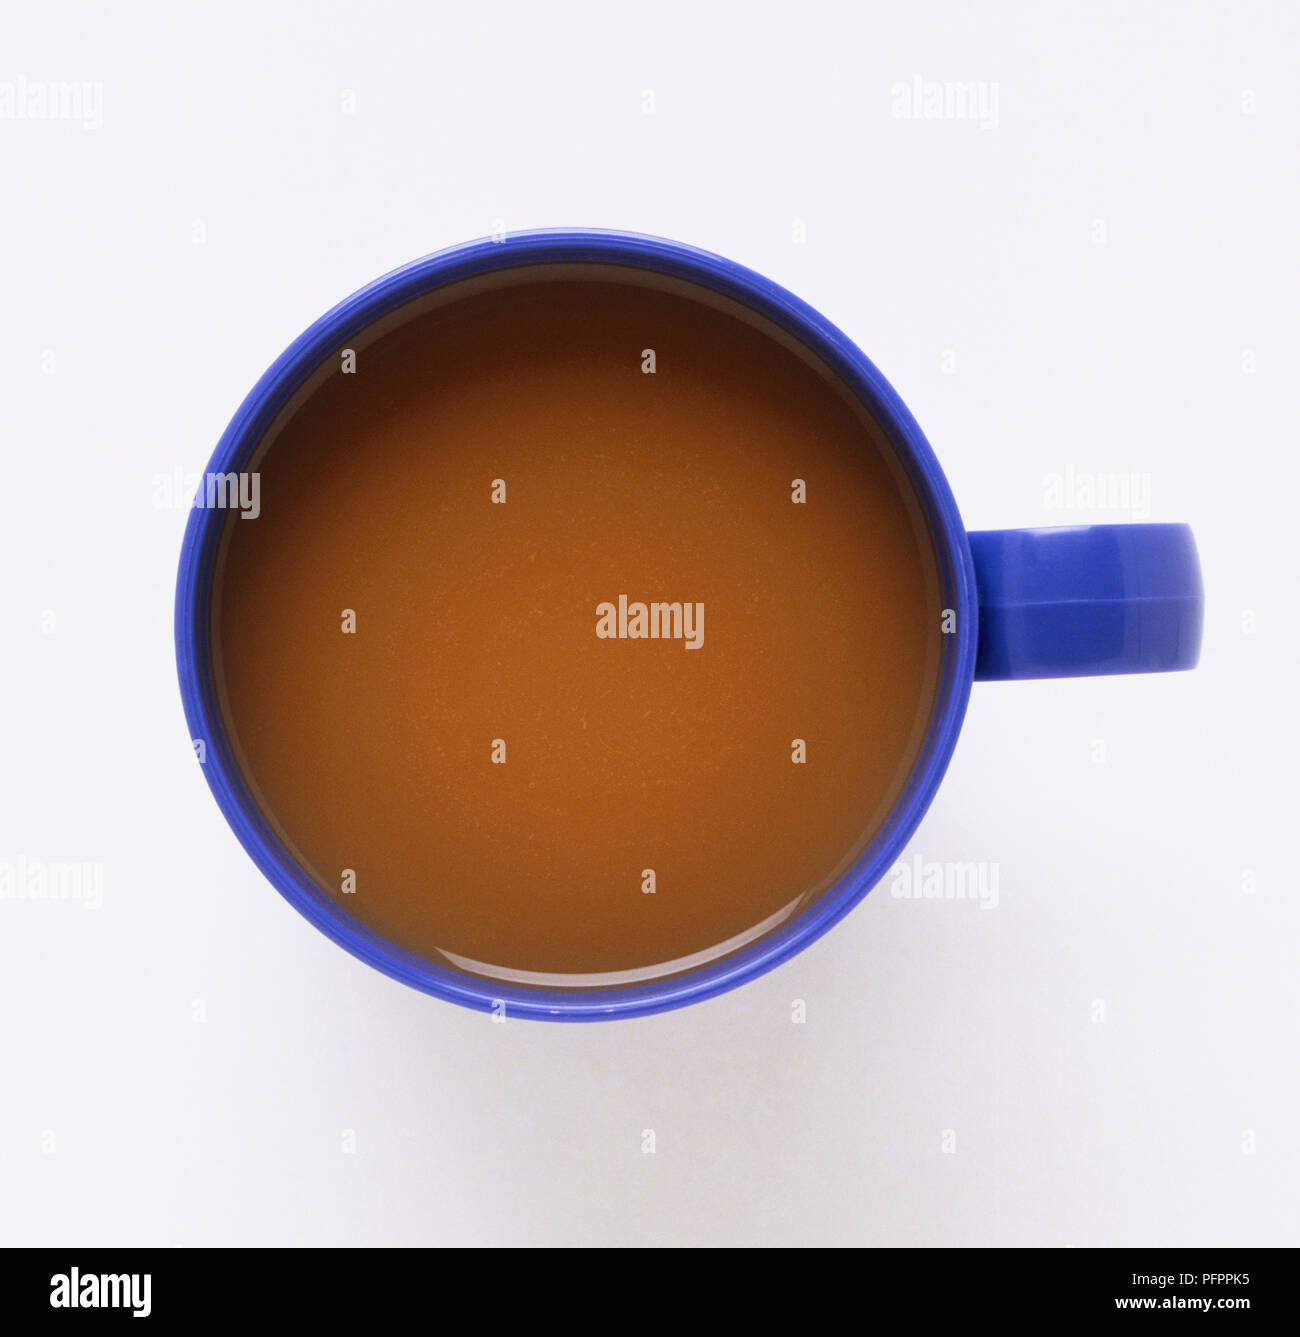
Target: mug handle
point(1087, 599)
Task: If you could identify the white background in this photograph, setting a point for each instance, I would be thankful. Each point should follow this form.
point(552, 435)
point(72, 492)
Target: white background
point(1124, 882)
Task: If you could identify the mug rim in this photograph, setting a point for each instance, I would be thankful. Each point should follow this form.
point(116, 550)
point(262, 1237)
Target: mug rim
point(852, 367)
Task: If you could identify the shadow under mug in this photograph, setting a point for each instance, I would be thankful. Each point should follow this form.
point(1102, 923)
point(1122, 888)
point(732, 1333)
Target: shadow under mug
point(1029, 603)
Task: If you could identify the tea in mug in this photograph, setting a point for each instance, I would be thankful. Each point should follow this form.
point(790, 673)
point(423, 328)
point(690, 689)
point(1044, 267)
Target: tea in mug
point(588, 627)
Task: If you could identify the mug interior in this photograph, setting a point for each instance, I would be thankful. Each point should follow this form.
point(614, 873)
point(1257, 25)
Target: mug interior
point(530, 257)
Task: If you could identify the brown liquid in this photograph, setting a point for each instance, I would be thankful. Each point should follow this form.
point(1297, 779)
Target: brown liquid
point(477, 621)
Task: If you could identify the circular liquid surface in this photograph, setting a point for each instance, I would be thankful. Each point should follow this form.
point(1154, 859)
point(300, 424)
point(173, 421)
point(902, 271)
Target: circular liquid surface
point(425, 642)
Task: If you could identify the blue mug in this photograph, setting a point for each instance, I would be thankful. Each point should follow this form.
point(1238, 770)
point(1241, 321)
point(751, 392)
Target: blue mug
point(1026, 603)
